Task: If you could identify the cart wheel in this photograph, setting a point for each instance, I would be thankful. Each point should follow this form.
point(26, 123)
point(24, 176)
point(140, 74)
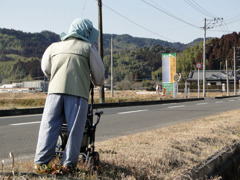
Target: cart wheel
point(94, 162)
point(61, 143)
point(95, 159)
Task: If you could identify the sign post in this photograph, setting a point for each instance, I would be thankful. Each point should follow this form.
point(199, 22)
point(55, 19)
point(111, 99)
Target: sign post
point(176, 78)
point(223, 87)
point(198, 66)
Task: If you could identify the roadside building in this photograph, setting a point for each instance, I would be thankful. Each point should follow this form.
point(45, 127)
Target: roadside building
point(214, 77)
point(38, 85)
point(25, 86)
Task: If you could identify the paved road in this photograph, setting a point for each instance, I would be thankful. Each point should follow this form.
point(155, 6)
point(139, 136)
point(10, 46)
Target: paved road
point(19, 134)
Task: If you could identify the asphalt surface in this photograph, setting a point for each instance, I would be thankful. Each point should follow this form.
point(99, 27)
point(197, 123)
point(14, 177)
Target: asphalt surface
point(19, 134)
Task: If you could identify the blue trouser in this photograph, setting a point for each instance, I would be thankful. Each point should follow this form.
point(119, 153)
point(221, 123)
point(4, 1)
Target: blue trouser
point(57, 108)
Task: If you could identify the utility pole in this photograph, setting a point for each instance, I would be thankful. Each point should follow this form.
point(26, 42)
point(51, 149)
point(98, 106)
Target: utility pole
point(112, 66)
point(100, 45)
point(227, 79)
point(235, 77)
point(213, 21)
point(204, 58)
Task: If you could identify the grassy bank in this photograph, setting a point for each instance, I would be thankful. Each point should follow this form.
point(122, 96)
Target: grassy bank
point(165, 153)
point(169, 152)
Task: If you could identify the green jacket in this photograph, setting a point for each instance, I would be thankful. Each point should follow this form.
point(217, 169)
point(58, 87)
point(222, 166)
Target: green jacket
point(70, 72)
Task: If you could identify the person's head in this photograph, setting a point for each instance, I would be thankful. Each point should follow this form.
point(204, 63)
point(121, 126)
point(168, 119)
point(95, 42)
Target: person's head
point(83, 29)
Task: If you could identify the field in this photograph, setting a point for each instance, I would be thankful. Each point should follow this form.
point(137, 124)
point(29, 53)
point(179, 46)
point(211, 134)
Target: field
point(30, 100)
point(165, 153)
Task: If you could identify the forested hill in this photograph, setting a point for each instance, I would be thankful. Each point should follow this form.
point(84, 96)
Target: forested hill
point(134, 58)
point(24, 44)
point(126, 42)
point(20, 52)
point(217, 51)
point(34, 44)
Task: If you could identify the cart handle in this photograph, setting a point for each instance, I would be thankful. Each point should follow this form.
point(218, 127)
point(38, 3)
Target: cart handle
point(98, 113)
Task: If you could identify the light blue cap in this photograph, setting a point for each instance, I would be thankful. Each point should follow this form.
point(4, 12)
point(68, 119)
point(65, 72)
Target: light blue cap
point(83, 29)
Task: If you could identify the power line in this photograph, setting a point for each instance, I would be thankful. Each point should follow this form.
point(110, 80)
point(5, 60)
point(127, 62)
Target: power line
point(199, 9)
point(215, 22)
point(169, 14)
point(136, 23)
point(83, 8)
point(210, 14)
point(233, 20)
point(173, 8)
point(225, 28)
point(223, 24)
point(220, 30)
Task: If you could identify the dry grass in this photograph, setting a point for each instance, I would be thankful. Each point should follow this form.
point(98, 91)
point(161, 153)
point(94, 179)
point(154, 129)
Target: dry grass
point(169, 152)
point(21, 100)
point(165, 153)
point(29, 100)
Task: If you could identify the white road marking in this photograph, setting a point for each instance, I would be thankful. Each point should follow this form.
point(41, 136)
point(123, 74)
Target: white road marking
point(128, 112)
point(176, 106)
point(26, 123)
point(10, 117)
point(198, 104)
point(231, 100)
point(219, 102)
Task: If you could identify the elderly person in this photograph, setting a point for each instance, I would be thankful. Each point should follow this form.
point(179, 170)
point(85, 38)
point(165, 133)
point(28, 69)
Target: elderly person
point(70, 64)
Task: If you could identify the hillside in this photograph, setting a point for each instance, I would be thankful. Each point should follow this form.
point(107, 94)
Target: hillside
point(217, 51)
point(135, 59)
point(221, 49)
point(34, 44)
point(20, 54)
point(137, 65)
point(126, 42)
point(24, 44)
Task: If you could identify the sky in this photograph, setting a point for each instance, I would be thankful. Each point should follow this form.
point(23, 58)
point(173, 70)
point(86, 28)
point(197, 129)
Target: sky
point(169, 20)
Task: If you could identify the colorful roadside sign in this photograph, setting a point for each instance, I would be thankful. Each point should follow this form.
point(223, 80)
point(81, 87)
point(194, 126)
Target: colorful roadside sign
point(199, 65)
point(168, 67)
point(169, 87)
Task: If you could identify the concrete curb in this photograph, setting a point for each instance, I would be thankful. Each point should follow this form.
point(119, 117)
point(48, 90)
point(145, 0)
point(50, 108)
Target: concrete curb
point(142, 103)
point(222, 97)
point(224, 163)
point(17, 112)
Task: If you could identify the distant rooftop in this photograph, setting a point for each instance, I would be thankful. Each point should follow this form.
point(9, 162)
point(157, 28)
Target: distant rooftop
point(212, 75)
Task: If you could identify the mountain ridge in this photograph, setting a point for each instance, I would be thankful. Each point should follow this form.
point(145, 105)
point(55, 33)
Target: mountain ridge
point(136, 57)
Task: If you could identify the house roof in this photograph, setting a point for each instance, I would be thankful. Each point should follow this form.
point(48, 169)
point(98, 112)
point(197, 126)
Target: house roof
point(211, 75)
